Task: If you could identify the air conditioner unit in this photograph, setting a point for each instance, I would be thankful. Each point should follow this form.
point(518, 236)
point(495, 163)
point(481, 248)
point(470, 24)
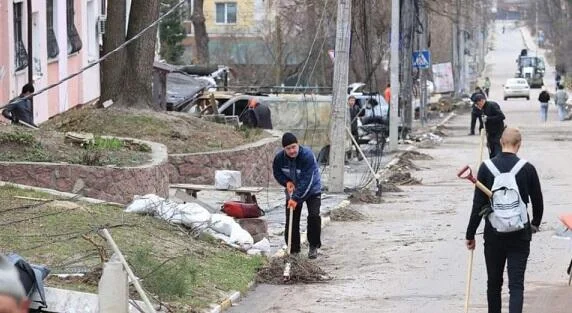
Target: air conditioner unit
point(101, 24)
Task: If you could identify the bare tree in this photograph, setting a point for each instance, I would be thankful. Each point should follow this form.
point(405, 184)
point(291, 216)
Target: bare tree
point(201, 37)
point(127, 75)
point(112, 68)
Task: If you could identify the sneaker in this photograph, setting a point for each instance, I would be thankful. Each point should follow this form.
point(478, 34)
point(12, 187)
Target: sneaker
point(313, 253)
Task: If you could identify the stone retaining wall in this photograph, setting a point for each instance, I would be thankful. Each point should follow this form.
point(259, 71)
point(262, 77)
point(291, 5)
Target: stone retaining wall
point(254, 161)
point(114, 184)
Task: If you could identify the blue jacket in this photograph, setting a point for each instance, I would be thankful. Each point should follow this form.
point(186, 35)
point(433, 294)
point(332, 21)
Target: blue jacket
point(303, 171)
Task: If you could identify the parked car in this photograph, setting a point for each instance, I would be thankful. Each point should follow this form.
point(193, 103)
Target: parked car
point(516, 88)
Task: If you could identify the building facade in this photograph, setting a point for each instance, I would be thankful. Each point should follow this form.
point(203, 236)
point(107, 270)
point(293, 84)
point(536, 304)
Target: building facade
point(65, 39)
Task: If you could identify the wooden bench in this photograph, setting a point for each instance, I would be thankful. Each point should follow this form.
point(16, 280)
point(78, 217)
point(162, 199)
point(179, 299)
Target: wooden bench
point(246, 193)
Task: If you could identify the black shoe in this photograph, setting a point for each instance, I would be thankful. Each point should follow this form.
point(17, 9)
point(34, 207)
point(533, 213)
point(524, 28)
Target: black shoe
point(313, 253)
point(471, 134)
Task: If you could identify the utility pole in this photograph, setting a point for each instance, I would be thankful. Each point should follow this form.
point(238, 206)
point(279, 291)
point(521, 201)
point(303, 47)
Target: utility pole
point(423, 72)
point(456, 50)
point(394, 78)
point(407, 31)
point(339, 97)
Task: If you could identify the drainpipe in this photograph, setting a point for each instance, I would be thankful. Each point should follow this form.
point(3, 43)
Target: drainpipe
point(30, 49)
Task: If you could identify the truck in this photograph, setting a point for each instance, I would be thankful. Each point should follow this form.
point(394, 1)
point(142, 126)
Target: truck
point(531, 68)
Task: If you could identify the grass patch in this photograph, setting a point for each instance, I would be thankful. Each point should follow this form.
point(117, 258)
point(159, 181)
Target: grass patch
point(180, 132)
point(18, 144)
point(62, 233)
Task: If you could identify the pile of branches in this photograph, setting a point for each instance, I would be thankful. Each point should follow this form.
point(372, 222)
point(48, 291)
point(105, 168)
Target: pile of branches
point(302, 271)
point(415, 155)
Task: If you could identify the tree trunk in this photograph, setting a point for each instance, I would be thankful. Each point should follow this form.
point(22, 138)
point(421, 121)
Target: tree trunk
point(137, 79)
point(112, 68)
point(201, 53)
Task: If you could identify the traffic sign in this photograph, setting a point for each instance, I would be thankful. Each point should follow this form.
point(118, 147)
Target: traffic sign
point(421, 59)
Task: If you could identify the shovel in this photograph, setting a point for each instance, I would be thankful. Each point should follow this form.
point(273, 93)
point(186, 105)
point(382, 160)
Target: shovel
point(286, 275)
point(467, 173)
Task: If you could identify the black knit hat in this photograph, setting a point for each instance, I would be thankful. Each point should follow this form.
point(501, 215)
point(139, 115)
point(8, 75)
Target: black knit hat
point(288, 139)
point(479, 97)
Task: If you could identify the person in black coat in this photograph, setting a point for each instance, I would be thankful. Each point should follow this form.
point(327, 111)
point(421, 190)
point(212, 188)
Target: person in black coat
point(475, 112)
point(257, 115)
point(493, 118)
point(355, 113)
point(543, 98)
point(509, 249)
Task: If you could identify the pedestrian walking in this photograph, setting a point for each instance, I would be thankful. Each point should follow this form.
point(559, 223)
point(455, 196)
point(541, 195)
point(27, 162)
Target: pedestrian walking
point(295, 168)
point(493, 118)
point(487, 86)
point(476, 113)
point(560, 99)
point(558, 80)
point(543, 98)
point(506, 241)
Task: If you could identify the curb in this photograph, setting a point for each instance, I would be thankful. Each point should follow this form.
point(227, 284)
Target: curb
point(227, 303)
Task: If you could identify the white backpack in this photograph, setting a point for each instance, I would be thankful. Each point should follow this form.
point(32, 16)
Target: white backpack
point(508, 210)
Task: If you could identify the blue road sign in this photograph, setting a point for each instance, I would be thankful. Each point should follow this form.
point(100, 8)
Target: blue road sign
point(421, 59)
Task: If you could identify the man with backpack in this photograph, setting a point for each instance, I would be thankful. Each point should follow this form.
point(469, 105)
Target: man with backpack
point(12, 294)
point(508, 229)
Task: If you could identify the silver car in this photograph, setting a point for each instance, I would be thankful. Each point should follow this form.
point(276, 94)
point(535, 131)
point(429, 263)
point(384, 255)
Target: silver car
point(516, 88)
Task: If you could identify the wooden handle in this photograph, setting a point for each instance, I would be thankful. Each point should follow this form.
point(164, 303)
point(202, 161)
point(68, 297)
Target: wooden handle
point(484, 189)
point(290, 219)
point(469, 278)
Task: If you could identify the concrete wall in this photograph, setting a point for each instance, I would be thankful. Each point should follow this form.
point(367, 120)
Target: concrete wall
point(254, 161)
point(115, 184)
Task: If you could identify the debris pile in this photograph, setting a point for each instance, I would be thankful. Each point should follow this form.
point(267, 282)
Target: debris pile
point(301, 271)
point(347, 214)
point(364, 196)
point(390, 187)
point(402, 178)
point(415, 155)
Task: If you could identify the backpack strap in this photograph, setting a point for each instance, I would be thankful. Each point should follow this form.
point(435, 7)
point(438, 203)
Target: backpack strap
point(492, 168)
point(517, 167)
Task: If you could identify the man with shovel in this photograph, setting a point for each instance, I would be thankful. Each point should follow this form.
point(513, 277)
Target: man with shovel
point(505, 244)
point(494, 122)
point(295, 168)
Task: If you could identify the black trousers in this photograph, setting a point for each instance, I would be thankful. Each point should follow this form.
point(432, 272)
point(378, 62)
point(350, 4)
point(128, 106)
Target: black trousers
point(314, 223)
point(493, 143)
point(514, 253)
point(474, 117)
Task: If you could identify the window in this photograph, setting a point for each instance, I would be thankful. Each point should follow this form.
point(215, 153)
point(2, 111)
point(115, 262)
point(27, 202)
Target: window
point(74, 41)
point(226, 13)
point(21, 54)
point(53, 49)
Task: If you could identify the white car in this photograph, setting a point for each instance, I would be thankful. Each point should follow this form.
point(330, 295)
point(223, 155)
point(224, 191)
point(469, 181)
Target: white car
point(516, 88)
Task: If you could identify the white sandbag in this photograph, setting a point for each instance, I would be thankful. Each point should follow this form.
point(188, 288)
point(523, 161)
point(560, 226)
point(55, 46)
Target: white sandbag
point(222, 223)
point(263, 245)
point(226, 225)
point(227, 180)
point(144, 204)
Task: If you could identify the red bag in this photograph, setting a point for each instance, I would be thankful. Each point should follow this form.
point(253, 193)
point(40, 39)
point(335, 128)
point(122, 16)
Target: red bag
point(240, 209)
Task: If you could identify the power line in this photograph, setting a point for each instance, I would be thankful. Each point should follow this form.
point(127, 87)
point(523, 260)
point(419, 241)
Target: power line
point(101, 59)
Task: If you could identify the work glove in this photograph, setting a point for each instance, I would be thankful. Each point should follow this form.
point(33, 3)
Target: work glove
point(534, 229)
point(484, 117)
point(290, 187)
point(292, 204)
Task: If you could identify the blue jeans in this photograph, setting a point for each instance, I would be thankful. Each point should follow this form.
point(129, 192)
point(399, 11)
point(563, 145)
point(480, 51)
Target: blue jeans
point(543, 111)
point(562, 113)
point(513, 252)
